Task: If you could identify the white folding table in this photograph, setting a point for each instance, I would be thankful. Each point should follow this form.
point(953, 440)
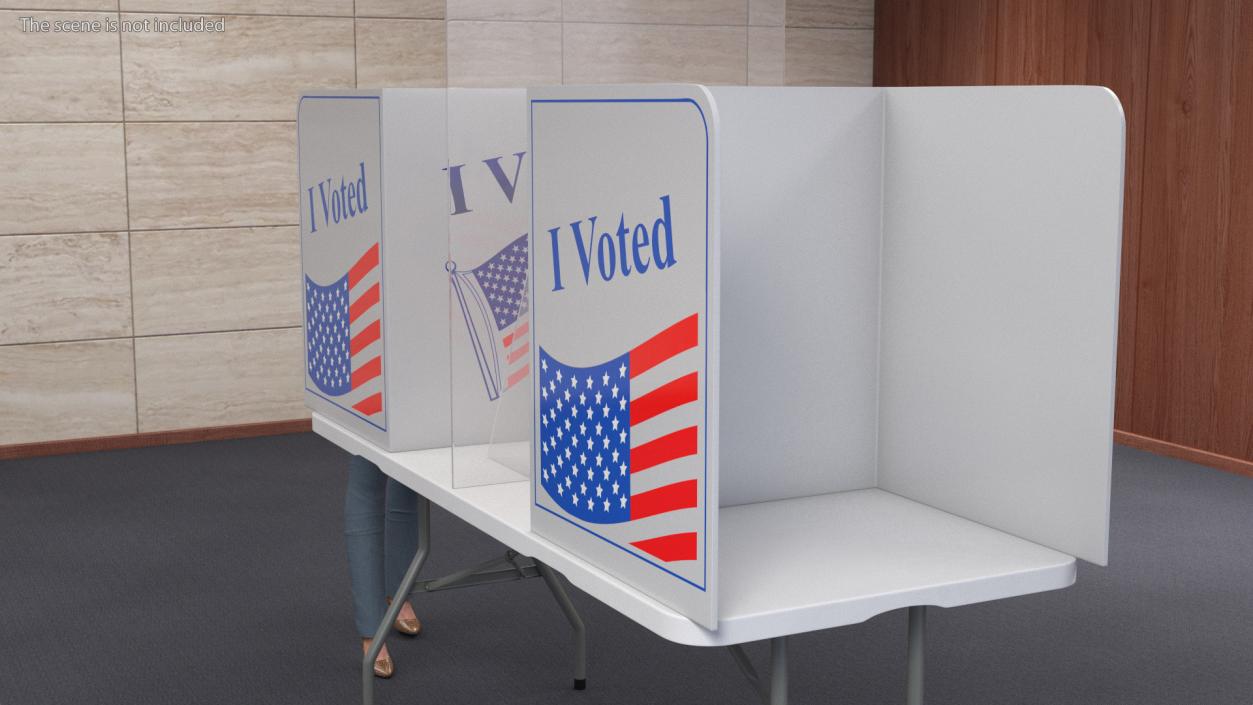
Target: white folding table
point(892, 552)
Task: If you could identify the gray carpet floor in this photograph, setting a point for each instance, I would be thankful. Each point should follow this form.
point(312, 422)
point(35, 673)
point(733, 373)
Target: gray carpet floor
point(215, 573)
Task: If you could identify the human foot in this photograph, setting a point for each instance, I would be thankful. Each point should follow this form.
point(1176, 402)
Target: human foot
point(407, 621)
point(383, 665)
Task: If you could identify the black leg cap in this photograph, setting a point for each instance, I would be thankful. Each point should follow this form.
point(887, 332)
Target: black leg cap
point(580, 684)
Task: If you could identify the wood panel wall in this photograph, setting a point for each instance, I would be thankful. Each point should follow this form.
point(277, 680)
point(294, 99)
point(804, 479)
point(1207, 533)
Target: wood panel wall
point(1184, 72)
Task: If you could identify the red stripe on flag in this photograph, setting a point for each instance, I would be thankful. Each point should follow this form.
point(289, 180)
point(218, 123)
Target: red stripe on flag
point(675, 547)
point(681, 336)
point(368, 261)
point(371, 405)
point(367, 372)
point(519, 352)
point(518, 376)
point(364, 338)
point(516, 333)
point(667, 498)
point(363, 303)
point(664, 398)
point(679, 444)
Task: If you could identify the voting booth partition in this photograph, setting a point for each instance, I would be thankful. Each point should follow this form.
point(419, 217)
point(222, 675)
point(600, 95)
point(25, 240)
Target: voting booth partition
point(739, 363)
point(758, 312)
point(414, 217)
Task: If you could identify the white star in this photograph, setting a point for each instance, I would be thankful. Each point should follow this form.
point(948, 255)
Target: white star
point(582, 488)
point(590, 503)
point(622, 469)
point(615, 455)
point(560, 490)
point(600, 490)
point(622, 370)
point(598, 460)
point(589, 382)
point(599, 428)
point(606, 505)
point(605, 473)
point(574, 380)
point(558, 375)
point(543, 364)
point(622, 501)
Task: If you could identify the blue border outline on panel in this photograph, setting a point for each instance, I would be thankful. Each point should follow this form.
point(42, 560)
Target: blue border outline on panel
point(382, 268)
point(535, 336)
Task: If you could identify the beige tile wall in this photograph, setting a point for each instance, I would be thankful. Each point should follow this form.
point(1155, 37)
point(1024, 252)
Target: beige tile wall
point(149, 274)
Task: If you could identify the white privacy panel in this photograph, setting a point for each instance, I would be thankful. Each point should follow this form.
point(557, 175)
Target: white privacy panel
point(625, 324)
point(1001, 232)
point(801, 173)
point(373, 241)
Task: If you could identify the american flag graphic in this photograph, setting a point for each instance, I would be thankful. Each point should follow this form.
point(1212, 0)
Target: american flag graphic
point(589, 464)
point(492, 298)
point(342, 336)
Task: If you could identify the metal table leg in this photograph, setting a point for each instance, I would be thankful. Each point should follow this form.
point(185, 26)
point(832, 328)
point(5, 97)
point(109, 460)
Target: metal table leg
point(778, 670)
point(576, 623)
point(401, 594)
point(917, 633)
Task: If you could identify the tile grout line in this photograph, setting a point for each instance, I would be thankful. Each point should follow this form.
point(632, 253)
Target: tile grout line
point(149, 121)
point(133, 337)
point(355, 82)
point(126, 181)
point(150, 230)
point(483, 20)
point(675, 25)
point(300, 16)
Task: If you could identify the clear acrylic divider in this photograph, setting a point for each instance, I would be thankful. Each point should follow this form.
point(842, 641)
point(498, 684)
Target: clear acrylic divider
point(488, 173)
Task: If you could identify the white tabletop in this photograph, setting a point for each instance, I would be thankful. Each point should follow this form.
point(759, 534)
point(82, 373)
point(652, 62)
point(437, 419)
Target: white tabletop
point(788, 566)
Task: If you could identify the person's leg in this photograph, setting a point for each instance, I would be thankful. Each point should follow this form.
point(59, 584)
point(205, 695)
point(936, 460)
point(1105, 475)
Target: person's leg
point(400, 543)
point(363, 533)
point(400, 540)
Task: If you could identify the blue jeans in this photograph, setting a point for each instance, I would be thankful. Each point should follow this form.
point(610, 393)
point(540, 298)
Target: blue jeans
point(381, 530)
